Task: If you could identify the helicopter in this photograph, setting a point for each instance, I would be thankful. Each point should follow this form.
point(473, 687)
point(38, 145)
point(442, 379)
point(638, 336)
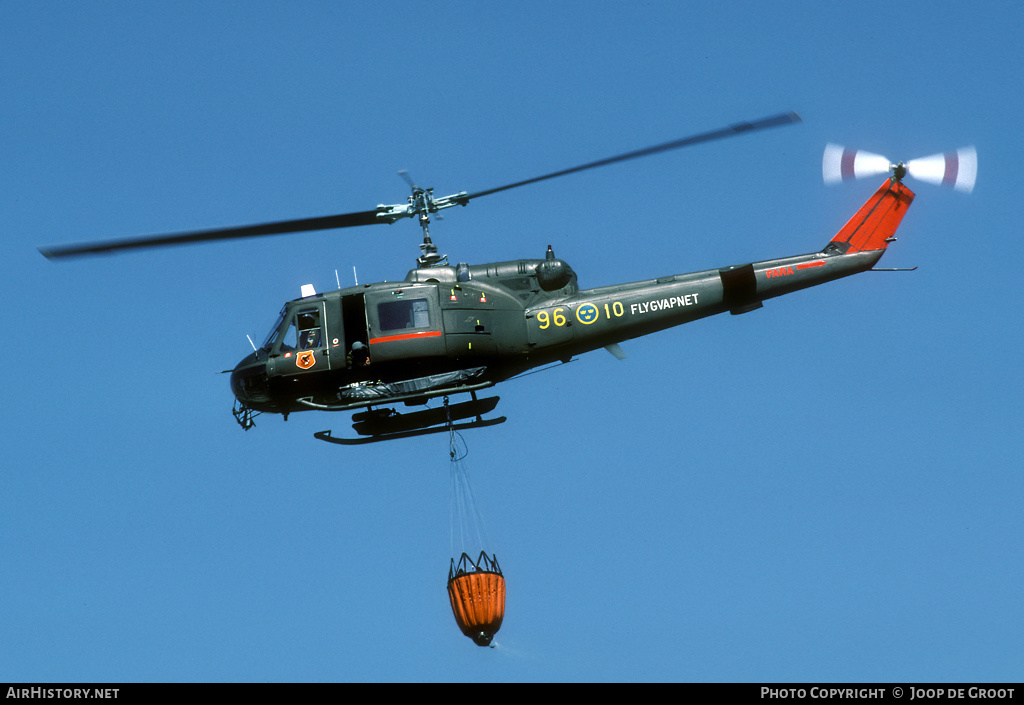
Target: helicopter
point(448, 329)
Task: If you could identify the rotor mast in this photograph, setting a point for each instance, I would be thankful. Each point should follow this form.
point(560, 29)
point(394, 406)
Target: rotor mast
point(422, 203)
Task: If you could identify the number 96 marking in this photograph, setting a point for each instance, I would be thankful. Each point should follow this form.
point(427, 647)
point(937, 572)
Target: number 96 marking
point(556, 317)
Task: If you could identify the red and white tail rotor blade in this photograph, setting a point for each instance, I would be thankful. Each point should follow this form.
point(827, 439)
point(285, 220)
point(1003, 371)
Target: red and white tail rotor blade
point(841, 164)
point(958, 169)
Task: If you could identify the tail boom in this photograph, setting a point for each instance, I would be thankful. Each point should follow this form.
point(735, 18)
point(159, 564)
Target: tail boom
point(595, 318)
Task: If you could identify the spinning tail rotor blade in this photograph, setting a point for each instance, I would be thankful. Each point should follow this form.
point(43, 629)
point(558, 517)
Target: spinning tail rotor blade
point(841, 164)
point(958, 169)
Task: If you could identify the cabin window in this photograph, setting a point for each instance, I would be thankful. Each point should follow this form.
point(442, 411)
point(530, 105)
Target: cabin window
point(403, 313)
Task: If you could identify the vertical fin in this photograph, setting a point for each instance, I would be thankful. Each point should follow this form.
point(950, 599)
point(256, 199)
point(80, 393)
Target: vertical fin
point(875, 222)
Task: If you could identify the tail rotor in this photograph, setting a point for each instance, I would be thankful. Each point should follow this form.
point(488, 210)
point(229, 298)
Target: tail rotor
point(958, 169)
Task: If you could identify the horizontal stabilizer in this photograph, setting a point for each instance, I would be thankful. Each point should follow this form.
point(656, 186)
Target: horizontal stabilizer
point(615, 350)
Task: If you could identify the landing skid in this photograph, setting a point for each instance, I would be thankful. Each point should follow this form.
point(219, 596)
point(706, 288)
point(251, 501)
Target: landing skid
point(386, 424)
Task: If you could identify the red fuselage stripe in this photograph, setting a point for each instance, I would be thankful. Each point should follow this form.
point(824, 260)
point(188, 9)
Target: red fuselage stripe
point(406, 336)
point(807, 265)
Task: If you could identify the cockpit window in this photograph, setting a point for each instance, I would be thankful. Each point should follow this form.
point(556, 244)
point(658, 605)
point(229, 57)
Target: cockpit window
point(304, 332)
point(404, 313)
point(308, 323)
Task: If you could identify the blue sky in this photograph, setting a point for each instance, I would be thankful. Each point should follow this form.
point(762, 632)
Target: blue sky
point(826, 489)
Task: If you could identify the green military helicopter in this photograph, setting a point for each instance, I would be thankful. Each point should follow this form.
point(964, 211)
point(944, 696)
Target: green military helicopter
point(447, 330)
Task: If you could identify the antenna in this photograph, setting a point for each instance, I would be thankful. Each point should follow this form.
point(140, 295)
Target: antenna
point(251, 343)
point(354, 275)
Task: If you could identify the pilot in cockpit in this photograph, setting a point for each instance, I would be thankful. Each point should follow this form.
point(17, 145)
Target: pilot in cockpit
point(309, 331)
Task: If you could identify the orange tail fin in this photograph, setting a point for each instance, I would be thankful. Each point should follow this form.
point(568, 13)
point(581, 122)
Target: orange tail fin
point(875, 222)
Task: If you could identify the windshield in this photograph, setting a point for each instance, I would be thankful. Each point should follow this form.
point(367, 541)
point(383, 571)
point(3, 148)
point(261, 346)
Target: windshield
point(272, 335)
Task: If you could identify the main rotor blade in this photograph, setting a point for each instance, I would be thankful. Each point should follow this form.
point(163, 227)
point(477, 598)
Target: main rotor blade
point(348, 220)
point(345, 220)
point(737, 129)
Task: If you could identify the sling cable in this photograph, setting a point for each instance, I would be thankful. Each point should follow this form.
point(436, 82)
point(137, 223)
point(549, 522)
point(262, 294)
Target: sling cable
point(476, 587)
